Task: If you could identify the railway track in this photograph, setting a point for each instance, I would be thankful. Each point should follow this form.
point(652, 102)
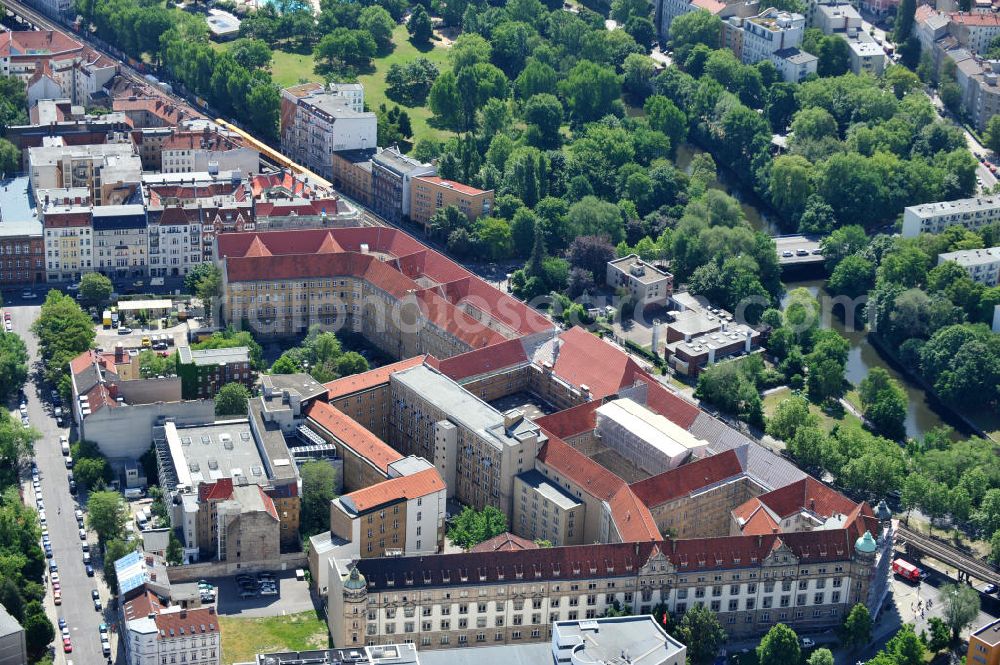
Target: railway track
point(945, 553)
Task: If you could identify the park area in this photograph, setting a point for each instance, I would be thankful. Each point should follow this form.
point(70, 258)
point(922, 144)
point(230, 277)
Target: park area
point(244, 638)
point(289, 68)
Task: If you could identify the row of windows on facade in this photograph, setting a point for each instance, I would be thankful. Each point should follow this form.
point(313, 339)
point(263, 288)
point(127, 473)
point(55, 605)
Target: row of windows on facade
point(17, 263)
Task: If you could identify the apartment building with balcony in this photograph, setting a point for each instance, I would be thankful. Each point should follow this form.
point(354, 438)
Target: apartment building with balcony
point(393, 174)
point(22, 244)
point(983, 265)
point(121, 242)
point(69, 242)
point(771, 35)
point(101, 168)
point(317, 121)
point(428, 194)
point(973, 214)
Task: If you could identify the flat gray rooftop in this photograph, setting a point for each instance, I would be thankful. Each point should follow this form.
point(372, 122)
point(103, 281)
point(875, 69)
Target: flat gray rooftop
point(605, 640)
point(17, 208)
point(538, 653)
point(279, 461)
point(461, 406)
point(203, 357)
point(546, 488)
point(211, 452)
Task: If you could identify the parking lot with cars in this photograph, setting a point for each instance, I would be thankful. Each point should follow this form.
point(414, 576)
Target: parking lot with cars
point(76, 595)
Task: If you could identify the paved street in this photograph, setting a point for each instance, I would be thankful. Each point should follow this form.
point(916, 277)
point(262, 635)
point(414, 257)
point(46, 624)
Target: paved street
point(77, 607)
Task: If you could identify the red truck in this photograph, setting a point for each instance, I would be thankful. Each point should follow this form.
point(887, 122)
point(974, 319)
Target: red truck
point(907, 570)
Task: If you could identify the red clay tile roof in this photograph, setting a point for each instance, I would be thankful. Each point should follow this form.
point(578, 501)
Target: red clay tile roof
point(268, 502)
point(142, 606)
point(712, 6)
point(220, 490)
point(349, 385)
point(632, 518)
point(187, 623)
point(257, 249)
point(585, 359)
point(807, 494)
point(33, 43)
point(571, 421)
point(416, 485)
point(98, 397)
point(586, 473)
point(82, 362)
point(347, 430)
point(452, 184)
point(170, 113)
point(608, 560)
point(284, 180)
point(687, 478)
point(483, 361)
point(673, 407)
point(757, 520)
point(978, 19)
point(505, 542)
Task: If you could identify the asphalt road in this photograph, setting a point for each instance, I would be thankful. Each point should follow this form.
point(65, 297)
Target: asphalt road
point(77, 607)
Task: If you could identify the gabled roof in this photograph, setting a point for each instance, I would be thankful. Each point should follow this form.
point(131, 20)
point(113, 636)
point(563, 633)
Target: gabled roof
point(632, 519)
point(220, 490)
point(807, 494)
point(586, 360)
point(347, 430)
point(402, 488)
point(688, 478)
point(505, 542)
point(186, 624)
point(366, 380)
point(574, 465)
point(574, 420)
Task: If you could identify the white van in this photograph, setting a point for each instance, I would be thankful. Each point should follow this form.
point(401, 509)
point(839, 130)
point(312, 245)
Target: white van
point(65, 448)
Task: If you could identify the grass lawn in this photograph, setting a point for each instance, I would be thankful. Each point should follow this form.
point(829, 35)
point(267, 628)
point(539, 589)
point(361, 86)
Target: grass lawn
point(292, 68)
point(827, 417)
point(404, 52)
point(243, 639)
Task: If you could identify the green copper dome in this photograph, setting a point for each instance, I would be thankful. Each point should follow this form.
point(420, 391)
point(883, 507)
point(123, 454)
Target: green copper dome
point(355, 581)
point(866, 544)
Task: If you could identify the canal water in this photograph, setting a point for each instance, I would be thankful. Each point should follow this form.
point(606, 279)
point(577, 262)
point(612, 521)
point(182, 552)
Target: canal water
point(862, 357)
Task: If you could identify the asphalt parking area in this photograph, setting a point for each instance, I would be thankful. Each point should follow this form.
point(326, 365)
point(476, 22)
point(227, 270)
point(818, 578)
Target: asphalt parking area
point(293, 597)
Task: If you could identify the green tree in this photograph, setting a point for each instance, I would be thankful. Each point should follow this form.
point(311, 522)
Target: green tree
point(106, 514)
point(543, 113)
point(472, 527)
point(992, 134)
point(95, 289)
point(590, 91)
point(906, 647)
point(251, 53)
point(664, 116)
point(377, 21)
point(318, 484)
point(10, 157)
point(231, 400)
point(884, 402)
point(38, 632)
point(419, 26)
point(779, 647)
point(351, 362)
point(701, 631)
point(64, 331)
point(92, 472)
point(903, 25)
point(175, 550)
point(638, 71)
point(821, 656)
point(343, 50)
point(940, 635)
point(693, 28)
point(13, 364)
point(856, 631)
point(854, 276)
point(791, 183)
point(960, 606)
point(790, 415)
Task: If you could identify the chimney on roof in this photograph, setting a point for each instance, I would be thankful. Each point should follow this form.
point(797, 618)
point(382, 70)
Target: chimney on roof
point(211, 610)
point(184, 614)
point(151, 615)
point(760, 540)
point(812, 505)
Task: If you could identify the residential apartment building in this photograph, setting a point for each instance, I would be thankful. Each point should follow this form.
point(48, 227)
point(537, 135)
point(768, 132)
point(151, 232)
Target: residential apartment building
point(972, 214)
point(101, 168)
point(431, 193)
point(667, 10)
point(120, 240)
point(984, 645)
point(60, 117)
point(198, 151)
point(53, 65)
point(392, 178)
point(975, 30)
point(316, 122)
point(808, 580)
point(647, 284)
point(52, 7)
point(176, 634)
point(69, 243)
point(204, 371)
point(983, 265)
point(22, 245)
point(771, 35)
point(866, 55)
point(352, 174)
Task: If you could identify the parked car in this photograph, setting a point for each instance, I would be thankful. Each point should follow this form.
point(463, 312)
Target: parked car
point(89, 569)
point(67, 645)
point(97, 599)
point(83, 534)
point(807, 643)
point(28, 294)
point(124, 331)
